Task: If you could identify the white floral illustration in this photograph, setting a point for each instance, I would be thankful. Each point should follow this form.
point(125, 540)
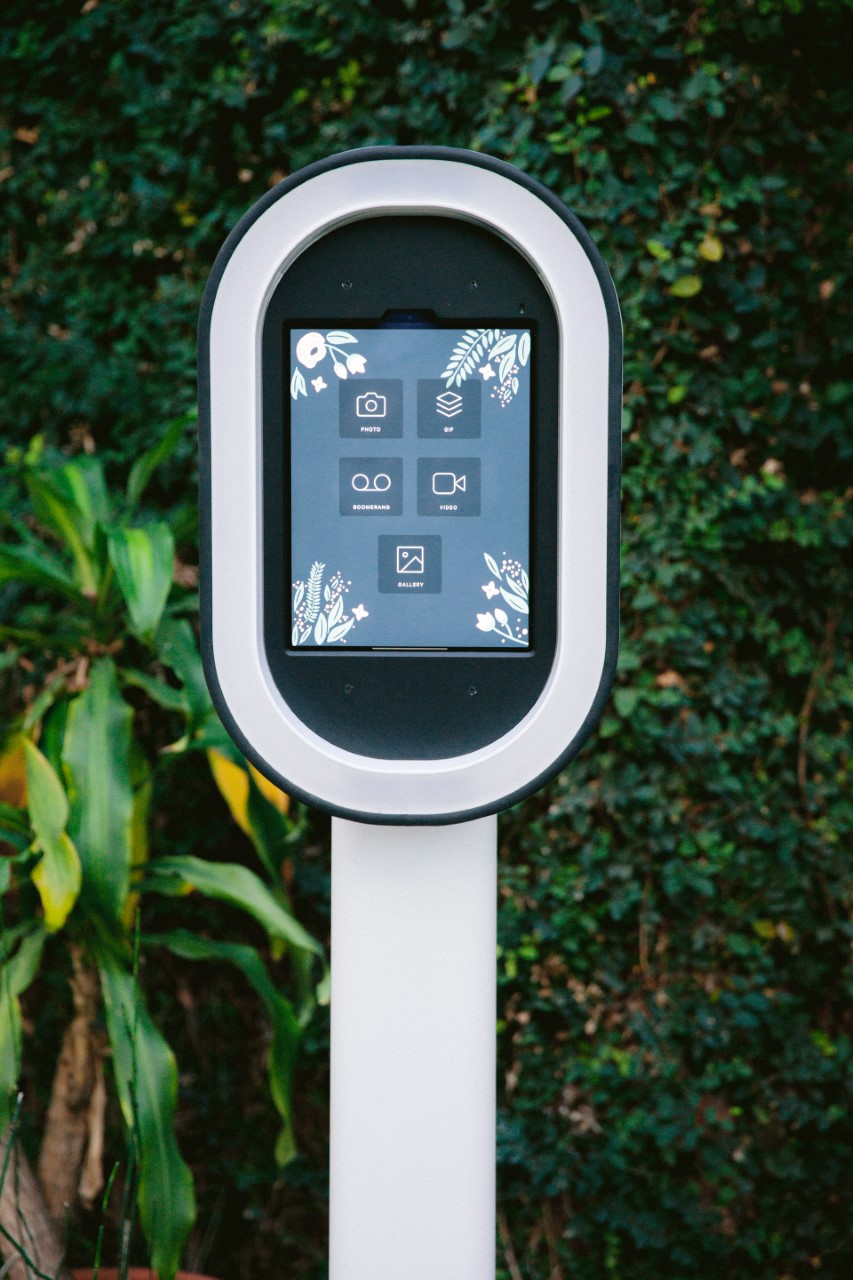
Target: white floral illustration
point(318, 608)
point(314, 347)
point(509, 351)
point(513, 585)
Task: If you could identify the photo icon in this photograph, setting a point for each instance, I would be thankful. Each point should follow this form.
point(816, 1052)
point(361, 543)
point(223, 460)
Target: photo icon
point(371, 405)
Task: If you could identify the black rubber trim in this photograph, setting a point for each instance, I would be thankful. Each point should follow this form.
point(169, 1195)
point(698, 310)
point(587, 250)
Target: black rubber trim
point(614, 449)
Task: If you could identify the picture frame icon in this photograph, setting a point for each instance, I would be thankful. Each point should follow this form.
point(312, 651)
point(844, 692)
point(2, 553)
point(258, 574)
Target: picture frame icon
point(410, 559)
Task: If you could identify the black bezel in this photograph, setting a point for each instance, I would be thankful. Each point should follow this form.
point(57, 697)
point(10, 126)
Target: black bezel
point(410, 704)
point(509, 173)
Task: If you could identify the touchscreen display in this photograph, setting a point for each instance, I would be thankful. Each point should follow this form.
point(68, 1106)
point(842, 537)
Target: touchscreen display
point(410, 487)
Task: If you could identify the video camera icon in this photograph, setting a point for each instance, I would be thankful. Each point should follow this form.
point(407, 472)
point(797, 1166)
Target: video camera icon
point(449, 487)
point(445, 483)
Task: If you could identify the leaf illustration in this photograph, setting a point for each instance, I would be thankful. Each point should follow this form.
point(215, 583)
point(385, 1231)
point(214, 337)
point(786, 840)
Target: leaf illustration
point(504, 344)
point(305, 636)
point(506, 364)
point(464, 356)
point(492, 564)
point(294, 638)
point(327, 593)
point(340, 337)
point(514, 385)
point(298, 595)
point(336, 611)
point(516, 587)
point(515, 602)
point(524, 348)
point(525, 580)
point(320, 629)
point(297, 385)
point(340, 369)
point(315, 581)
point(338, 633)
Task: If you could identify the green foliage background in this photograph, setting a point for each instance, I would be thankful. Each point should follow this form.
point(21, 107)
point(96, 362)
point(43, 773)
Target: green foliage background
point(675, 975)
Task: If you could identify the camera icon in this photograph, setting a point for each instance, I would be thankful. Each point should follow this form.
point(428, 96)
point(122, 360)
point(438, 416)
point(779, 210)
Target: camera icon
point(371, 405)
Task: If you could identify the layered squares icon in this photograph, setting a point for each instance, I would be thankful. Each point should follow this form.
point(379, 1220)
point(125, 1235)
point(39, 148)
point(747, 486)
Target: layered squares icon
point(448, 412)
point(449, 404)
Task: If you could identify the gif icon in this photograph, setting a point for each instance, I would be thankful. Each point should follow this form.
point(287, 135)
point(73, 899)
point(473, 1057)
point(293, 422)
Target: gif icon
point(448, 413)
point(371, 409)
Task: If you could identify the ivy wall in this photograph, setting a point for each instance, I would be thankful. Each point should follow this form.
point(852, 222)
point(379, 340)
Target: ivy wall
point(675, 967)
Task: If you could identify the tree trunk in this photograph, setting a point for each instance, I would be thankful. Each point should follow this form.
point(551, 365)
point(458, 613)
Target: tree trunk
point(25, 1217)
point(74, 1125)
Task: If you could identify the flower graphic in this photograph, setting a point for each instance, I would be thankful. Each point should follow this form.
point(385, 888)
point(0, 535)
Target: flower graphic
point(319, 610)
point(310, 349)
point(505, 354)
point(510, 581)
point(314, 347)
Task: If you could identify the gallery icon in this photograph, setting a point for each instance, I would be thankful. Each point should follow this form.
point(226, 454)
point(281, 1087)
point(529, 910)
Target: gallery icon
point(445, 483)
point(409, 564)
point(448, 404)
point(371, 405)
point(410, 559)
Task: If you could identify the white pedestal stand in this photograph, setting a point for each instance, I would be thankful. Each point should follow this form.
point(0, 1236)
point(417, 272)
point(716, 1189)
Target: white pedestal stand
point(414, 937)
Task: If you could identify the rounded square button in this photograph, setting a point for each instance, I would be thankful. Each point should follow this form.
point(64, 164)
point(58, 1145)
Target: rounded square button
point(448, 413)
point(371, 409)
point(371, 486)
point(448, 486)
point(410, 564)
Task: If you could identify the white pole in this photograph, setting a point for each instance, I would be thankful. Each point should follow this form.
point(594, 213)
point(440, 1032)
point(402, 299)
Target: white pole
point(414, 936)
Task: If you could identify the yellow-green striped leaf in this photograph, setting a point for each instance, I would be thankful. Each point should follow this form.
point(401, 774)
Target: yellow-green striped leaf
point(147, 1083)
point(57, 875)
point(96, 754)
point(143, 560)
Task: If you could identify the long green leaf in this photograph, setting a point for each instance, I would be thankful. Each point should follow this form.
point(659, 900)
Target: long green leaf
point(96, 755)
point(177, 648)
point(165, 695)
point(229, 882)
point(57, 876)
point(286, 1027)
point(38, 568)
point(268, 830)
point(14, 828)
point(16, 973)
point(147, 1083)
point(143, 560)
point(148, 462)
point(72, 501)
